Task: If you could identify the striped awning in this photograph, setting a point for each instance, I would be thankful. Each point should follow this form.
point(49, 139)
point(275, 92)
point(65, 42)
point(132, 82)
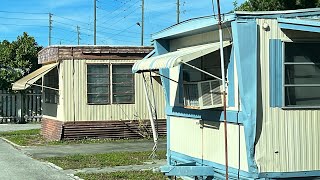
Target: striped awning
point(175, 58)
point(31, 78)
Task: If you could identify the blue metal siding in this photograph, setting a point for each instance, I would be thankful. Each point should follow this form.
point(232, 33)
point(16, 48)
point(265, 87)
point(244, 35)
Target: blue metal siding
point(275, 72)
point(245, 35)
point(231, 95)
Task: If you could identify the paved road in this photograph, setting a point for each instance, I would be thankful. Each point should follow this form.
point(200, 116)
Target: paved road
point(14, 165)
point(64, 150)
point(15, 127)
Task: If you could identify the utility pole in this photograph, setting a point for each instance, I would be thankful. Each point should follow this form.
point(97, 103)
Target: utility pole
point(142, 22)
point(78, 32)
point(224, 90)
point(178, 11)
point(95, 22)
point(50, 28)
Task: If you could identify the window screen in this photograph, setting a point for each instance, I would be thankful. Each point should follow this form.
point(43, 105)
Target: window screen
point(122, 84)
point(51, 80)
point(98, 84)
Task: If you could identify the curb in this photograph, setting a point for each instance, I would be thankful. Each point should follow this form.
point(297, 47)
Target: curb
point(13, 144)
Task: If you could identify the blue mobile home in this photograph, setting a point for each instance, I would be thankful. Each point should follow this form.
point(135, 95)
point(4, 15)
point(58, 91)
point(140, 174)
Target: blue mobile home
point(272, 62)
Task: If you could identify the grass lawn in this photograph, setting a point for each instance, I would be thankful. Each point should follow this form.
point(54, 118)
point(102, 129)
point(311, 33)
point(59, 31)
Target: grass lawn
point(24, 137)
point(33, 138)
point(103, 160)
point(132, 175)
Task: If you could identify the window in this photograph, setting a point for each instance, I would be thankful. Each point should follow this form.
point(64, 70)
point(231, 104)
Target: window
point(98, 84)
point(51, 80)
point(302, 75)
point(122, 84)
point(200, 90)
point(99, 80)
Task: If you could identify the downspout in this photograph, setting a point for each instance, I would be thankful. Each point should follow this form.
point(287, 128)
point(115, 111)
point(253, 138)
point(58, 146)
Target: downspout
point(223, 89)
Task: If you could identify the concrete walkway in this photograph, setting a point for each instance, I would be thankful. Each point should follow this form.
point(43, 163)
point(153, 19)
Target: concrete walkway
point(147, 166)
point(14, 165)
point(64, 150)
point(16, 127)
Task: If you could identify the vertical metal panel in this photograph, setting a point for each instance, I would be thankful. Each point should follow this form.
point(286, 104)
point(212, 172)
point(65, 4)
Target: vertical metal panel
point(213, 145)
point(75, 101)
point(275, 60)
point(288, 140)
point(205, 140)
point(186, 136)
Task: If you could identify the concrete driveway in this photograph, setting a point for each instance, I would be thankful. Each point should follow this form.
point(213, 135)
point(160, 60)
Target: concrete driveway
point(15, 165)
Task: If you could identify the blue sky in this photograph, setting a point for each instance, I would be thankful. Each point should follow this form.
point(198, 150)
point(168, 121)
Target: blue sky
point(116, 19)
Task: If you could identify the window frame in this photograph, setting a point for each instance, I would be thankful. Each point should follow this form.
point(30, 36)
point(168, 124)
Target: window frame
point(284, 85)
point(203, 79)
point(109, 84)
point(51, 92)
point(133, 84)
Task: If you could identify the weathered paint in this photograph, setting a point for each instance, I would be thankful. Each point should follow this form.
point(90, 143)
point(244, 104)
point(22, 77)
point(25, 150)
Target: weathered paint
point(287, 140)
point(74, 96)
point(205, 140)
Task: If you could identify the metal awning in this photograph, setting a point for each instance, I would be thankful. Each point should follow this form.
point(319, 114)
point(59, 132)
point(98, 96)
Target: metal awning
point(175, 58)
point(31, 78)
point(300, 24)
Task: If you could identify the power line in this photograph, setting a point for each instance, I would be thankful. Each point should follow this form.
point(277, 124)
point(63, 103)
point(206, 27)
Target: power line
point(116, 9)
point(64, 29)
point(23, 25)
point(20, 12)
point(22, 19)
point(122, 11)
point(71, 19)
point(125, 16)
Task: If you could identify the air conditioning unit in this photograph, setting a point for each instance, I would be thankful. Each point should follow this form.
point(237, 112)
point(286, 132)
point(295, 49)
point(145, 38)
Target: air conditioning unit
point(203, 95)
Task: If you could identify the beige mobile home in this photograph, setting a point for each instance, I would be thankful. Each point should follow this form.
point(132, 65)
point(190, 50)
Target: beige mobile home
point(90, 92)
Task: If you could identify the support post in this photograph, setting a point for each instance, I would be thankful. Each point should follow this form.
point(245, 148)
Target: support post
point(223, 89)
point(142, 22)
point(154, 132)
point(95, 22)
point(178, 11)
point(50, 28)
point(78, 34)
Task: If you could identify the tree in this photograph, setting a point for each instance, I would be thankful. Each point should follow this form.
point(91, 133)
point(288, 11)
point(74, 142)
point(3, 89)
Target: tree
point(276, 5)
point(17, 59)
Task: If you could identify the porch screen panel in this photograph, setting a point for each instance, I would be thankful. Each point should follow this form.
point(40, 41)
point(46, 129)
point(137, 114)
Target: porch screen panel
point(51, 80)
point(98, 84)
point(122, 84)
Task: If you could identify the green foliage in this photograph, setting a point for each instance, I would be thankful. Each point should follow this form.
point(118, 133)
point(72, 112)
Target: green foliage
point(80, 161)
point(123, 175)
point(17, 58)
point(276, 5)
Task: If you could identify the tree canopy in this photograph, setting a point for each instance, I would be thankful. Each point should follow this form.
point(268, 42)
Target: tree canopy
point(276, 5)
point(17, 59)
